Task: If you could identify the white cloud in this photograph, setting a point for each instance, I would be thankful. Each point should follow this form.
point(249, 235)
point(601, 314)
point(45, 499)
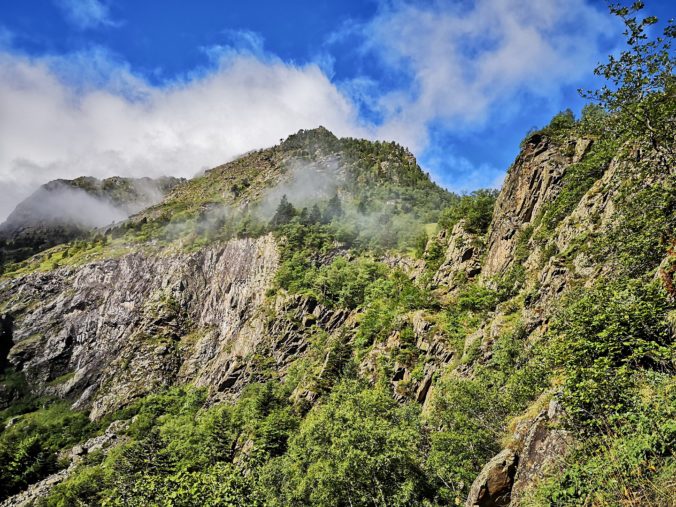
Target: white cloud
point(124, 126)
point(88, 113)
point(85, 14)
point(465, 60)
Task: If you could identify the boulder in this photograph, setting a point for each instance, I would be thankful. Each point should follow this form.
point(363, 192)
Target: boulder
point(493, 486)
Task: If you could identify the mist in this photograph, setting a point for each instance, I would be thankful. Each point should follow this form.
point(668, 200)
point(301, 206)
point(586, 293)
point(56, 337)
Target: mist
point(60, 202)
point(65, 204)
point(303, 184)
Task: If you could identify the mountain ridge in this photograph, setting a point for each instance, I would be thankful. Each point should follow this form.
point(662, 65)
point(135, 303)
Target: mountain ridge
point(63, 210)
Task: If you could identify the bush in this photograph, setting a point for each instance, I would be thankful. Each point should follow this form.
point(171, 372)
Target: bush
point(604, 336)
point(477, 298)
point(476, 209)
point(471, 418)
point(359, 447)
point(559, 128)
point(28, 448)
point(642, 229)
point(344, 283)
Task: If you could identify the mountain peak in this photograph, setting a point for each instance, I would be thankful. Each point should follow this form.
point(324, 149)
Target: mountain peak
point(311, 140)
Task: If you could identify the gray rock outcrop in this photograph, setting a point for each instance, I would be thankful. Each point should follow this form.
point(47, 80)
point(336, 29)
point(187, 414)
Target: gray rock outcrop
point(107, 332)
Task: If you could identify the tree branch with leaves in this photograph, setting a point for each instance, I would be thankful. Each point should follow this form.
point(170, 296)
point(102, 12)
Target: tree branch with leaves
point(640, 93)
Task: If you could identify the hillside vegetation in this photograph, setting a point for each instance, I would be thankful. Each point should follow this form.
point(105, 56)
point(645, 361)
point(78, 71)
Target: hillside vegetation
point(318, 323)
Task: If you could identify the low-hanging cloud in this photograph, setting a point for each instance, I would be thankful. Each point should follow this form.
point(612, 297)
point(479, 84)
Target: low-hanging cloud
point(304, 183)
point(88, 206)
point(74, 205)
point(89, 113)
point(124, 126)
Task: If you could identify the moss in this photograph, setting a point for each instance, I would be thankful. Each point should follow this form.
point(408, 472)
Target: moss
point(27, 342)
point(62, 379)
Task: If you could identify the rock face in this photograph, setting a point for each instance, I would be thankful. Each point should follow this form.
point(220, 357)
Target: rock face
point(462, 259)
point(110, 331)
point(434, 353)
point(544, 446)
point(538, 445)
point(493, 486)
point(531, 182)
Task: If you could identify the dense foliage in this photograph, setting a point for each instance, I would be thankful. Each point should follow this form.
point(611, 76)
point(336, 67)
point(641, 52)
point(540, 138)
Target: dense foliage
point(341, 425)
point(476, 209)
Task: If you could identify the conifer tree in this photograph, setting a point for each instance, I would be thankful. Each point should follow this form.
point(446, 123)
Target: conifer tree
point(315, 215)
point(284, 214)
point(334, 209)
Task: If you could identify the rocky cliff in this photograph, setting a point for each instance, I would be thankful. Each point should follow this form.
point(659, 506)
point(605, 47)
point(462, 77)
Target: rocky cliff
point(110, 331)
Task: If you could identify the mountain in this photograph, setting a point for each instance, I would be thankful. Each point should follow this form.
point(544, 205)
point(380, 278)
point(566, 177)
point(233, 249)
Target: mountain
point(318, 323)
point(64, 210)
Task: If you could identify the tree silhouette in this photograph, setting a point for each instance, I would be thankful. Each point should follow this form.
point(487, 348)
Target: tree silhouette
point(284, 214)
point(334, 209)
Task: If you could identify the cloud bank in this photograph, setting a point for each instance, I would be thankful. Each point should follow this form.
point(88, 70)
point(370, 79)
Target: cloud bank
point(89, 113)
point(123, 126)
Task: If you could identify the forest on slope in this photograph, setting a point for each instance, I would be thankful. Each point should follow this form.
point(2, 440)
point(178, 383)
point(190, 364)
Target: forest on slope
point(368, 338)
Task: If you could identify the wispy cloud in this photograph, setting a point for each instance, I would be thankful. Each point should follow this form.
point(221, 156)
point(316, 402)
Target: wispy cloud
point(236, 42)
point(86, 14)
point(6, 37)
point(464, 60)
point(459, 174)
point(112, 122)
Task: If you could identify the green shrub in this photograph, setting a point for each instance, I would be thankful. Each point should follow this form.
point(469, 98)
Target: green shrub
point(359, 447)
point(642, 229)
point(604, 336)
point(471, 418)
point(476, 209)
point(28, 448)
point(559, 129)
point(628, 465)
point(477, 298)
point(343, 283)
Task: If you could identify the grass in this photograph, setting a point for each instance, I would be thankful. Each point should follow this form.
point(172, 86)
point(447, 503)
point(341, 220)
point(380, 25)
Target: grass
point(62, 379)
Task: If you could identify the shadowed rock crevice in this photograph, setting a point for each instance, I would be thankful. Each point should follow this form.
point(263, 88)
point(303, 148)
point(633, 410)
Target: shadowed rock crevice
point(6, 339)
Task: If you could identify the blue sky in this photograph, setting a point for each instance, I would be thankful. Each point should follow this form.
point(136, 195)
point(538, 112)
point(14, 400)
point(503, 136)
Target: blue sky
point(108, 87)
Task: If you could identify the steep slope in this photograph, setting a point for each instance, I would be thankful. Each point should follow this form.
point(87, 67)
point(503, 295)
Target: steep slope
point(112, 330)
point(533, 182)
point(106, 332)
point(584, 244)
